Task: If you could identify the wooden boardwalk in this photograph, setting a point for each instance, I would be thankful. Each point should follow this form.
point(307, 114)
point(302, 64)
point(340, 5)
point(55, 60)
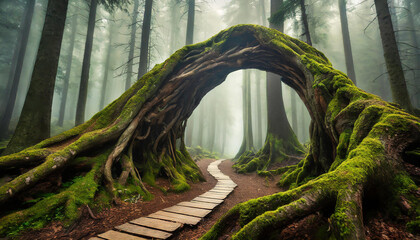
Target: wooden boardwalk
point(164, 223)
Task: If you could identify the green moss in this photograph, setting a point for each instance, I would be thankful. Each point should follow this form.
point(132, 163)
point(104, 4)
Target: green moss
point(342, 222)
point(275, 150)
point(61, 206)
point(414, 226)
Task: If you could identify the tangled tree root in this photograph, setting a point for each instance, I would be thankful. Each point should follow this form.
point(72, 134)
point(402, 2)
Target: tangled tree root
point(358, 142)
point(275, 150)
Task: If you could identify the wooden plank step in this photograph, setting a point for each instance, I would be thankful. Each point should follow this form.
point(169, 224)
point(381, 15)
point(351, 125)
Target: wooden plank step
point(114, 235)
point(219, 191)
point(224, 187)
point(214, 196)
point(208, 200)
point(175, 217)
point(157, 224)
point(202, 205)
point(196, 212)
point(143, 231)
point(95, 238)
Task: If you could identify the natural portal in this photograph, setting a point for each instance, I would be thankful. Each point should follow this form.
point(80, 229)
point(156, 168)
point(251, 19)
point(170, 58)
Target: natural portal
point(358, 142)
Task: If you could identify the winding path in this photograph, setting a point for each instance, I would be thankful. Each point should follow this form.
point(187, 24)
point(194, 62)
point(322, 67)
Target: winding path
point(162, 224)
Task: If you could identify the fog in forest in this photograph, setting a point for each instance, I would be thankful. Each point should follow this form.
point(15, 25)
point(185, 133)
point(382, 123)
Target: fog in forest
point(217, 123)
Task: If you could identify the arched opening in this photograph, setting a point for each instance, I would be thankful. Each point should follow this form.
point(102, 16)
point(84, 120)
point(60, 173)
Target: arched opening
point(355, 136)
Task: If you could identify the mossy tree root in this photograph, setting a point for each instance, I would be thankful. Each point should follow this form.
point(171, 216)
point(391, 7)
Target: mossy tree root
point(143, 126)
point(275, 150)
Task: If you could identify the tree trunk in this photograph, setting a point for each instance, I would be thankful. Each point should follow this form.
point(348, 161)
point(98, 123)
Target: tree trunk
point(279, 132)
point(132, 45)
point(263, 14)
point(145, 37)
point(189, 40)
point(35, 119)
point(84, 80)
point(189, 132)
point(190, 22)
point(294, 113)
point(247, 140)
point(346, 40)
point(16, 68)
point(108, 67)
point(212, 127)
point(415, 52)
point(355, 137)
point(305, 22)
point(174, 22)
point(259, 117)
point(392, 56)
point(68, 70)
point(224, 134)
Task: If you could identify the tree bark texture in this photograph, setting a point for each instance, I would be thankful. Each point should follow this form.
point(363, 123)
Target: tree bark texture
point(355, 137)
point(392, 56)
point(35, 119)
point(346, 40)
point(145, 37)
point(16, 68)
point(84, 80)
point(68, 71)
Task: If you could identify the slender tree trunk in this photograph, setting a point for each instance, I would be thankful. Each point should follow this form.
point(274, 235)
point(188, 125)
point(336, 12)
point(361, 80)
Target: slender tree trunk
point(189, 40)
point(84, 81)
point(294, 112)
point(200, 132)
point(190, 22)
point(224, 133)
point(392, 56)
point(259, 111)
point(415, 52)
point(247, 140)
point(108, 67)
point(68, 70)
point(305, 22)
point(249, 137)
point(212, 127)
point(394, 19)
point(263, 14)
point(189, 132)
point(132, 45)
point(346, 40)
point(174, 26)
point(35, 119)
point(16, 68)
point(145, 37)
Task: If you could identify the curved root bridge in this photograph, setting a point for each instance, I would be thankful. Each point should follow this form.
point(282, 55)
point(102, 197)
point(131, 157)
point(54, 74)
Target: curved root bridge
point(162, 224)
point(144, 125)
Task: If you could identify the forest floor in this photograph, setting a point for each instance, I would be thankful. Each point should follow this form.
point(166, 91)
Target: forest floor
point(249, 186)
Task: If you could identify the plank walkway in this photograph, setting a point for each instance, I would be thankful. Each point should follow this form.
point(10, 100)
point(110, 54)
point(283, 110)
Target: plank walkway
point(164, 223)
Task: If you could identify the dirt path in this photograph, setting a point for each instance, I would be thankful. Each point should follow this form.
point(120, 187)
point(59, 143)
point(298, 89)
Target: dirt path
point(249, 186)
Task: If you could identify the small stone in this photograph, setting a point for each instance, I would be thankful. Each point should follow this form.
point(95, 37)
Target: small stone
point(54, 167)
